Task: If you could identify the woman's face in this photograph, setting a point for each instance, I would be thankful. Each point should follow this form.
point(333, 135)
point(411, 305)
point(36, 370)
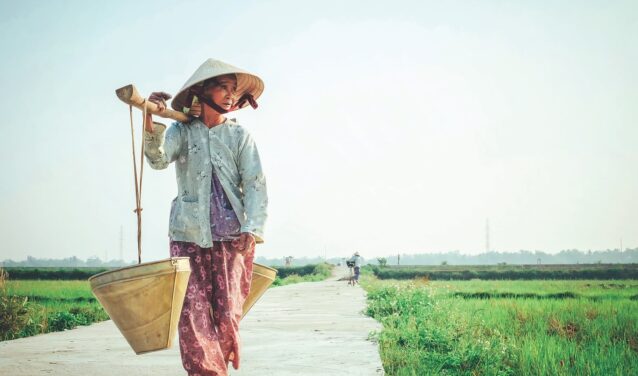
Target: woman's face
point(224, 93)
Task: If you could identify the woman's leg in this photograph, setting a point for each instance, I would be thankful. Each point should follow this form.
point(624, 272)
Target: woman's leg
point(198, 341)
point(232, 276)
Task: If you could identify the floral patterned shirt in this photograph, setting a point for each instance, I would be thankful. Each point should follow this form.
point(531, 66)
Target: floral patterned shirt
point(226, 150)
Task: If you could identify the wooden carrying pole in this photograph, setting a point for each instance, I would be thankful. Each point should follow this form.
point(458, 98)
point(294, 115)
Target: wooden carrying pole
point(129, 95)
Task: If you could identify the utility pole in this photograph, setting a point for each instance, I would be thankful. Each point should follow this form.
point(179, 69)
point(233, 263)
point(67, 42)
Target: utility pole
point(121, 242)
point(487, 235)
point(398, 259)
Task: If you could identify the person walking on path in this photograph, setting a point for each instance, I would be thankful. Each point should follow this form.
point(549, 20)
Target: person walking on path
point(355, 261)
point(220, 211)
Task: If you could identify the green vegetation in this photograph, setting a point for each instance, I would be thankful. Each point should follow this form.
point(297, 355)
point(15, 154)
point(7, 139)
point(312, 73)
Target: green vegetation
point(14, 314)
point(285, 271)
point(307, 273)
point(50, 273)
point(34, 307)
point(557, 327)
point(503, 271)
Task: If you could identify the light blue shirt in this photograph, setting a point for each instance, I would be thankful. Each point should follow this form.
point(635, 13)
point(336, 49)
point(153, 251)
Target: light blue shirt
point(196, 150)
point(357, 260)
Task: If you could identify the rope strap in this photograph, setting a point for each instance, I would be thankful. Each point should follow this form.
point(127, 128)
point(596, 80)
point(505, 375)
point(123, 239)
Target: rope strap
point(138, 182)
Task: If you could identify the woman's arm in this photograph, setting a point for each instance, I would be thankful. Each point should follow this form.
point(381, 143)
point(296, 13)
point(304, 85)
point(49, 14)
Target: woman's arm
point(253, 184)
point(160, 149)
point(162, 146)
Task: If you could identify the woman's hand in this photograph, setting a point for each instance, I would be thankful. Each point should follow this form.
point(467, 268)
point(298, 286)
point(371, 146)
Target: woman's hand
point(195, 110)
point(245, 242)
point(159, 98)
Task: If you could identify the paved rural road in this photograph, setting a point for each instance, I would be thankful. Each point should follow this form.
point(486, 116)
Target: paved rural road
point(311, 328)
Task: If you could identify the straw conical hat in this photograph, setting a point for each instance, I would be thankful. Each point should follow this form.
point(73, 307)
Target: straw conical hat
point(246, 82)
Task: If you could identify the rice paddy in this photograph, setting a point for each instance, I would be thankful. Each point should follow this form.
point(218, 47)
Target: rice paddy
point(506, 327)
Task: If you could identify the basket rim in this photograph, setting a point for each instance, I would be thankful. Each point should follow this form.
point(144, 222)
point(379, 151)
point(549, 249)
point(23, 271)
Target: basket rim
point(135, 266)
point(265, 267)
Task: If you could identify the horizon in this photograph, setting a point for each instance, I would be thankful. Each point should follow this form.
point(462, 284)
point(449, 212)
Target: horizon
point(606, 253)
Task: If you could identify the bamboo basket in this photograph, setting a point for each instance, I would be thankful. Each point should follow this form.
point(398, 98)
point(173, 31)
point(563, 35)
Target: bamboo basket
point(145, 301)
point(263, 276)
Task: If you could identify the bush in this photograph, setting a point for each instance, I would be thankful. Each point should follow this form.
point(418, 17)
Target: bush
point(319, 272)
point(14, 312)
point(323, 269)
point(88, 315)
point(298, 270)
point(14, 316)
point(59, 321)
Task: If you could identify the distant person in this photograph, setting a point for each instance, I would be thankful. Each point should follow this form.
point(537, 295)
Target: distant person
point(355, 261)
point(288, 261)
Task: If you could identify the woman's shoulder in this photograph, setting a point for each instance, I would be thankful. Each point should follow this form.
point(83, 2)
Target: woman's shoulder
point(179, 125)
point(237, 130)
point(185, 127)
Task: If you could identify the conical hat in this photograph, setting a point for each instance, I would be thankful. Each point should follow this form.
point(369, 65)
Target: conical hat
point(246, 82)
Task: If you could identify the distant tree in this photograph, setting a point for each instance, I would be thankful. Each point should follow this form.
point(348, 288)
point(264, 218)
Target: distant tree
point(382, 261)
point(443, 262)
point(93, 261)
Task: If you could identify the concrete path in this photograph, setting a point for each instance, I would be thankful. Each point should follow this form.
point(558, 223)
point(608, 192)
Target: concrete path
point(311, 328)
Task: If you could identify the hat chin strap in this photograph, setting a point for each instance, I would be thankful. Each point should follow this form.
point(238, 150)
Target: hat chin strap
point(247, 97)
point(214, 105)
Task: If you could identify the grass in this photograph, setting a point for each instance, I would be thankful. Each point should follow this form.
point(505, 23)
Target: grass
point(509, 272)
point(65, 290)
point(313, 273)
point(505, 327)
point(49, 306)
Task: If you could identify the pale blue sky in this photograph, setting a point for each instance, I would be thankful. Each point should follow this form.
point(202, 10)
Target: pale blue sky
point(385, 127)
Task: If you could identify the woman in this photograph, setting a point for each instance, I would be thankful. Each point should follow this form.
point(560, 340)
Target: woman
point(220, 210)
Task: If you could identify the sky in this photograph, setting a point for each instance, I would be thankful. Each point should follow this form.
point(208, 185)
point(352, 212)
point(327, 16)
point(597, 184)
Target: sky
point(384, 128)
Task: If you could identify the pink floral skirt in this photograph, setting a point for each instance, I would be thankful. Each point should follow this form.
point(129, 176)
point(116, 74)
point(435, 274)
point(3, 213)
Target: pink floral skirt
point(209, 325)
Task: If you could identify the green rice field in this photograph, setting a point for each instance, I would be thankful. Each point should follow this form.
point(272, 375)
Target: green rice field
point(509, 272)
point(31, 307)
point(505, 327)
